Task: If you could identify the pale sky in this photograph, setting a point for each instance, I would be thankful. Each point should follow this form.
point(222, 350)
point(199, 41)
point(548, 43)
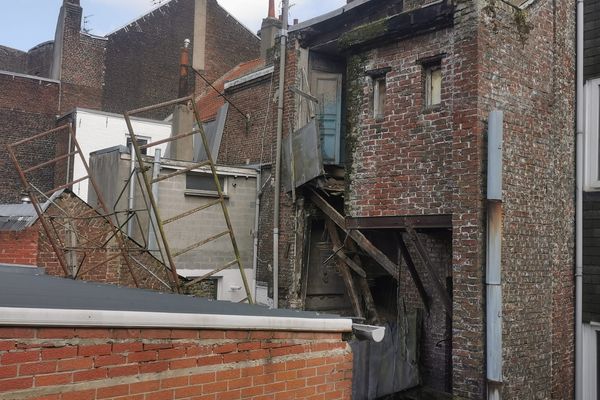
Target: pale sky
point(27, 23)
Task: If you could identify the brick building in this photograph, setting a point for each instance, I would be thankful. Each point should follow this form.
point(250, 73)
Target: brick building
point(135, 66)
point(403, 99)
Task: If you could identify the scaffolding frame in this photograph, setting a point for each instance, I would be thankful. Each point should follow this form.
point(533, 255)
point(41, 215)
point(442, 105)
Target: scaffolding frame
point(164, 246)
point(49, 223)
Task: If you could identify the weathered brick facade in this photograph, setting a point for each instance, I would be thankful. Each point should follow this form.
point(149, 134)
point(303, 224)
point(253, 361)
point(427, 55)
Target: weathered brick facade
point(140, 364)
point(420, 160)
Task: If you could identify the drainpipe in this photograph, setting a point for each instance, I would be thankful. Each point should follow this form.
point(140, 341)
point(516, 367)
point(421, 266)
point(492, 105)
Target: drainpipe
point(579, 211)
point(152, 238)
point(131, 199)
point(276, 201)
point(493, 275)
point(256, 227)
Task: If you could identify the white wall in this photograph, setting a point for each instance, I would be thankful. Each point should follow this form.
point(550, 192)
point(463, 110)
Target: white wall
point(97, 130)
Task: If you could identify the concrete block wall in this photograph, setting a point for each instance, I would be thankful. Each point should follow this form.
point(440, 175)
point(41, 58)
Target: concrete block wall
point(144, 364)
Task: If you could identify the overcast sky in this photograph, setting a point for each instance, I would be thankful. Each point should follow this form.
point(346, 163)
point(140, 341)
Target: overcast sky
point(26, 23)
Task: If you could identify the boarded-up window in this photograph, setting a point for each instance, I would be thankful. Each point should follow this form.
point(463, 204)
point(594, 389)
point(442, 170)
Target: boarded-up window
point(379, 97)
point(433, 84)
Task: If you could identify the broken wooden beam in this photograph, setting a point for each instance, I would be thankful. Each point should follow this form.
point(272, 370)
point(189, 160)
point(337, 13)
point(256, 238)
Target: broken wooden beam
point(439, 286)
point(412, 269)
point(344, 270)
point(357, 236)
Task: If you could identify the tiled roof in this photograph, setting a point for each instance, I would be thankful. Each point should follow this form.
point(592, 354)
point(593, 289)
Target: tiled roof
point(210, 101)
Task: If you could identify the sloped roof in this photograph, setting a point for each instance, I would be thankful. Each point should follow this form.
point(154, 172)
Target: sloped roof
point(210, 101)
point(18, 217)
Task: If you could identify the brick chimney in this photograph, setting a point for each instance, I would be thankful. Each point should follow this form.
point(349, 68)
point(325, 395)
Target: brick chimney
point(68, 25)
point(268, 31)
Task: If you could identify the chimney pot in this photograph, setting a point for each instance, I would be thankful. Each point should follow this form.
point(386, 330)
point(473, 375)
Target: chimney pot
point(271, 9)
point(295, 21)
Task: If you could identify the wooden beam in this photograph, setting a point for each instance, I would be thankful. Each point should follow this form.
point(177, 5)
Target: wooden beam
point(412, 269)
point(441, 288)
point(439, 221)
point(342, 256)
point(366, 290)
point(357, 236)
point(344, 270)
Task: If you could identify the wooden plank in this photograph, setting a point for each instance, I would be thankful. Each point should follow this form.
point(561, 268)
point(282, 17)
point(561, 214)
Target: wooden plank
point(357, 236)
point(344, 270)
point(412, 269)
point(366, 290)
point(400, 222)
point(355, 267)
point(441, 288)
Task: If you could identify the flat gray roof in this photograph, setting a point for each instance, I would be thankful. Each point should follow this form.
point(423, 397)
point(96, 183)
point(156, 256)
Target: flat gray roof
point(29, 288)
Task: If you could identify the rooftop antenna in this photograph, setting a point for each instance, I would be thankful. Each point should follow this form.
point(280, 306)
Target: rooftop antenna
point(157, 2)
point(86, 23)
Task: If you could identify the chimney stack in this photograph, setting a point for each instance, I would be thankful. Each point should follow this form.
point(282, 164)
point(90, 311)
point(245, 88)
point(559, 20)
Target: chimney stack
point(268, 31)
point(183, 114)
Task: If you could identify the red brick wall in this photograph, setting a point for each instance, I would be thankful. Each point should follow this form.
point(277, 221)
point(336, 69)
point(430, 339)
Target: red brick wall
point(27, 106)
point(74, 363)
point(19, 247)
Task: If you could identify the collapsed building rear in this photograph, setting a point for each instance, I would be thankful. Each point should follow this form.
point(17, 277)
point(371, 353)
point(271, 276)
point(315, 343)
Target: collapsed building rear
point(402, 94)
point(384, 200)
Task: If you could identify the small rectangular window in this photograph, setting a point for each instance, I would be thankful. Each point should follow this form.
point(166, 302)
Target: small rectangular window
point(140, 142)
point(203, 184)
point(433, 84)
point(379, 97)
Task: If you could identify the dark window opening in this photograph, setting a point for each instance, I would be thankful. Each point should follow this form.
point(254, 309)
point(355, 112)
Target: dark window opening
point(203, 184)
point(140, 142)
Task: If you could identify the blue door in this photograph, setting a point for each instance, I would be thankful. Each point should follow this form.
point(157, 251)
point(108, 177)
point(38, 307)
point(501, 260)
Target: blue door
point(327, 87)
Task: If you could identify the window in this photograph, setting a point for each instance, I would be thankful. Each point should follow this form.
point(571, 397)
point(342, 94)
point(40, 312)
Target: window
point(379, 96)
point(378, 78)
point(140, 142)
point(203, 184)
point(433, 84)
point(592, 144)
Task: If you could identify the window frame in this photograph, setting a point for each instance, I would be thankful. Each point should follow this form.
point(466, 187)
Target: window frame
point(206, 193)
point(129, 142)
point(428, 70)
point(592, 142)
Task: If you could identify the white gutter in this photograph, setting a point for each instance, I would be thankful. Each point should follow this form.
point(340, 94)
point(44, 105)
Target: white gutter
point(579, 210)
point(11, 316)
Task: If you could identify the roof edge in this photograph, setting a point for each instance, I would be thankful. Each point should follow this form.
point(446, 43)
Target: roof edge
point(15, 316)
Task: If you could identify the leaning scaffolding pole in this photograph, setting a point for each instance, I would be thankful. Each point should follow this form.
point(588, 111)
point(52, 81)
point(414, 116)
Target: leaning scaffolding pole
point(154, 207)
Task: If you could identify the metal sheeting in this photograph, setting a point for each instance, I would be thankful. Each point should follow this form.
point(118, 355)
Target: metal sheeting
point(388, 367)
point(18, 217)
point(307, 161)
point(214, 134)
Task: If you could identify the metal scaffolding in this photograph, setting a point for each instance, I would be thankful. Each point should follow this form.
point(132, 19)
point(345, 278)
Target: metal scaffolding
point(157, 221)
point(78, 252)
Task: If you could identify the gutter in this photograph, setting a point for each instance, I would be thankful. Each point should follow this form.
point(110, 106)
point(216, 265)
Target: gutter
point(579, 209)
point(12, 316)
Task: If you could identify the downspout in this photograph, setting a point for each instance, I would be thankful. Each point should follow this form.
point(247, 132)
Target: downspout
point(152, 237)
point(579, 210)
point(493, 275)
point(256, 228)
point(276, 201)
point(131, 198)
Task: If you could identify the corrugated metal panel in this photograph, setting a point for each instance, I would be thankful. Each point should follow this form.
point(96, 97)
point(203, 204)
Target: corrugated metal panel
point(17, 217)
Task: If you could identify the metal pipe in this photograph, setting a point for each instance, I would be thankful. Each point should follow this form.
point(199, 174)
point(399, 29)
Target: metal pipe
point(493, 275)
point(131, 198)
point(276, 201)
point(579, 209)
point(256, 228)
point(152, 238)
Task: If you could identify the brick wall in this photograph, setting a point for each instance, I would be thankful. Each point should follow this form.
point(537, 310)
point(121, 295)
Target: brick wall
point(228, 43)
point(142, 59)
point(538, 208)
point(77, 363)
point(39, 59)
point(27, 106)
point(12, 59)
point(19, 247)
